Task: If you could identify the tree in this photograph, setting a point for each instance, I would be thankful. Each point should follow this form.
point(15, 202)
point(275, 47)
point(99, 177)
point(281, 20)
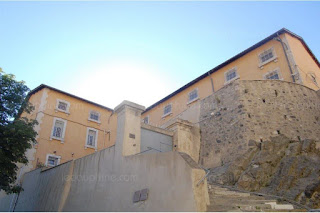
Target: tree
point(16, 133)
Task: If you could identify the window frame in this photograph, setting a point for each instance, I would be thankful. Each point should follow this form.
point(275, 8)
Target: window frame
point(277, 70)
point(195, 99)
point(90, 119)
point(64, 129)
point(143, 120)
point(233, 69)
point(52, 155)
point(270, 59)
point(96, 139)
point(169, 113)
point(63, 101)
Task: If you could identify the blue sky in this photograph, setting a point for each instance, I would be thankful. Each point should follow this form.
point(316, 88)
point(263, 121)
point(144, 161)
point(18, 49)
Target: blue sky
point(139, 51)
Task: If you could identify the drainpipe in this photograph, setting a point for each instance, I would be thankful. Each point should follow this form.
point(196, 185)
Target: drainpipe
point(285, 53)
point(211, 82)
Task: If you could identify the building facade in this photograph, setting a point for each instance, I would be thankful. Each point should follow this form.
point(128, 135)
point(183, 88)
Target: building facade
point(282, 56)
point(69, 127)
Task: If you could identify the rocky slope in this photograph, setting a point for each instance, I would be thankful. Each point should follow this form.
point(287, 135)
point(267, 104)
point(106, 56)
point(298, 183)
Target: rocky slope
point(280, 167)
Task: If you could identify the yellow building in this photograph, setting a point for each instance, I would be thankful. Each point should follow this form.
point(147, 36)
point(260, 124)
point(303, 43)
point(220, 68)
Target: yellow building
point(69, 127)
point(282, 56)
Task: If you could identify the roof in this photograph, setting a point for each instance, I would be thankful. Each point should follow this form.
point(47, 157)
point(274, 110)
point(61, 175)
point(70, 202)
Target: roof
point(269, 38)
point(42, 86)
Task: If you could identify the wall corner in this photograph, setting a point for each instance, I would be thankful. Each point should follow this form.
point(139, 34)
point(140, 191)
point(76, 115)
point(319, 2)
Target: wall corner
point(128, 128)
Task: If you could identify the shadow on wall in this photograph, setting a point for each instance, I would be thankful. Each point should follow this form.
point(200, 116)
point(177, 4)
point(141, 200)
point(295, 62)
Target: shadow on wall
point(104, 183)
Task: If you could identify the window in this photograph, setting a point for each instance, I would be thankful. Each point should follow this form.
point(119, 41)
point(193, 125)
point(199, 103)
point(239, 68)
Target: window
point(146, 120)
point(193, 95)
point(94, 116)
point(92, 137)
point(267, 56)
point(62, 106)
point(273, 75)
point(52, 160)
point(58, 129)
point(231, 75)
point(167, 110)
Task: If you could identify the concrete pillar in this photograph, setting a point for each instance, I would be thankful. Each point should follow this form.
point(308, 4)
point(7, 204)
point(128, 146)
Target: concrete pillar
point(186, 138)
point(128, 128)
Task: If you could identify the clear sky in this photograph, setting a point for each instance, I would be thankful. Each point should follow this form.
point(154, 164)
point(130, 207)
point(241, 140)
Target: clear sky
point(139, 51)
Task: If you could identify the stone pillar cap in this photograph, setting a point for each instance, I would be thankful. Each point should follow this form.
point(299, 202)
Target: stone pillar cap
point(129, 104)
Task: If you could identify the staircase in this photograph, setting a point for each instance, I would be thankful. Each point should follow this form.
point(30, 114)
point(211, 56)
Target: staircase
point(226, 200)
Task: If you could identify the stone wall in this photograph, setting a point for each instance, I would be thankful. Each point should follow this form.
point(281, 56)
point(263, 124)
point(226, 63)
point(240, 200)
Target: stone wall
point(222, 126)
point(246, 113)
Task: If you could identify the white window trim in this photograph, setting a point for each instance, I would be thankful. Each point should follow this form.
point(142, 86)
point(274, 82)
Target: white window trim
point(197, 98)
point(68, 106)
point(271, 71)
point(64, 129)
point(97, 121)
point(148, 119)
point(169, 113)
point(51, 155)
point(96, 139)
point(231, 70)
point(269, 60)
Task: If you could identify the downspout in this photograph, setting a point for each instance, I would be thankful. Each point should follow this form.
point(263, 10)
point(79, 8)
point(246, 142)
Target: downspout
point(285, 53)
point(211, 82)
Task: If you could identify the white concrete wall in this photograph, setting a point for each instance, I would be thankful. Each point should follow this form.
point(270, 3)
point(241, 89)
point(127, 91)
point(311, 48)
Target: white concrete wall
point(106, 184)
point(101, 182)
point(43, 190)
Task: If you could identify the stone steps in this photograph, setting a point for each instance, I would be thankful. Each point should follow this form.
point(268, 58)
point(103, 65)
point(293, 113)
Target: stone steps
point(225, 200)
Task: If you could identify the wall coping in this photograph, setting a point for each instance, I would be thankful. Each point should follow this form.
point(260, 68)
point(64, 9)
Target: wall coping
point(129, 104)
point(237, 81)
point(157, 129)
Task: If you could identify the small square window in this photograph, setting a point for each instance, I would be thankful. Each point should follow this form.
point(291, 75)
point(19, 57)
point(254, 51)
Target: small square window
point(52, 160)
point(267, 56)
point(231, 75)
point(273, 75)
point(92, 138)
point(193, 95)
point(62, 106)
point(167, 110)
point(94, 116)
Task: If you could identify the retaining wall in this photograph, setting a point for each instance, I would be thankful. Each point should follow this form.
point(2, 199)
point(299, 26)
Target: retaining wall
point(246, 113)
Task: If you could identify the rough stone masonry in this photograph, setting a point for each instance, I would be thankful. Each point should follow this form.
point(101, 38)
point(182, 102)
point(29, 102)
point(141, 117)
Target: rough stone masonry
point(246, 113)
point(264, 136)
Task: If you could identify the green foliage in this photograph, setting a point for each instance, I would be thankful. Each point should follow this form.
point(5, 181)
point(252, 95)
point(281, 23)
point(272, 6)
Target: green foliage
point(16, 133)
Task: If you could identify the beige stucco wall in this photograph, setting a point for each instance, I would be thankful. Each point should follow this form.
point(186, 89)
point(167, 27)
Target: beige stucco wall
point(200, 189)
point(186, 138)
point(304, 62)
point(247, 68)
